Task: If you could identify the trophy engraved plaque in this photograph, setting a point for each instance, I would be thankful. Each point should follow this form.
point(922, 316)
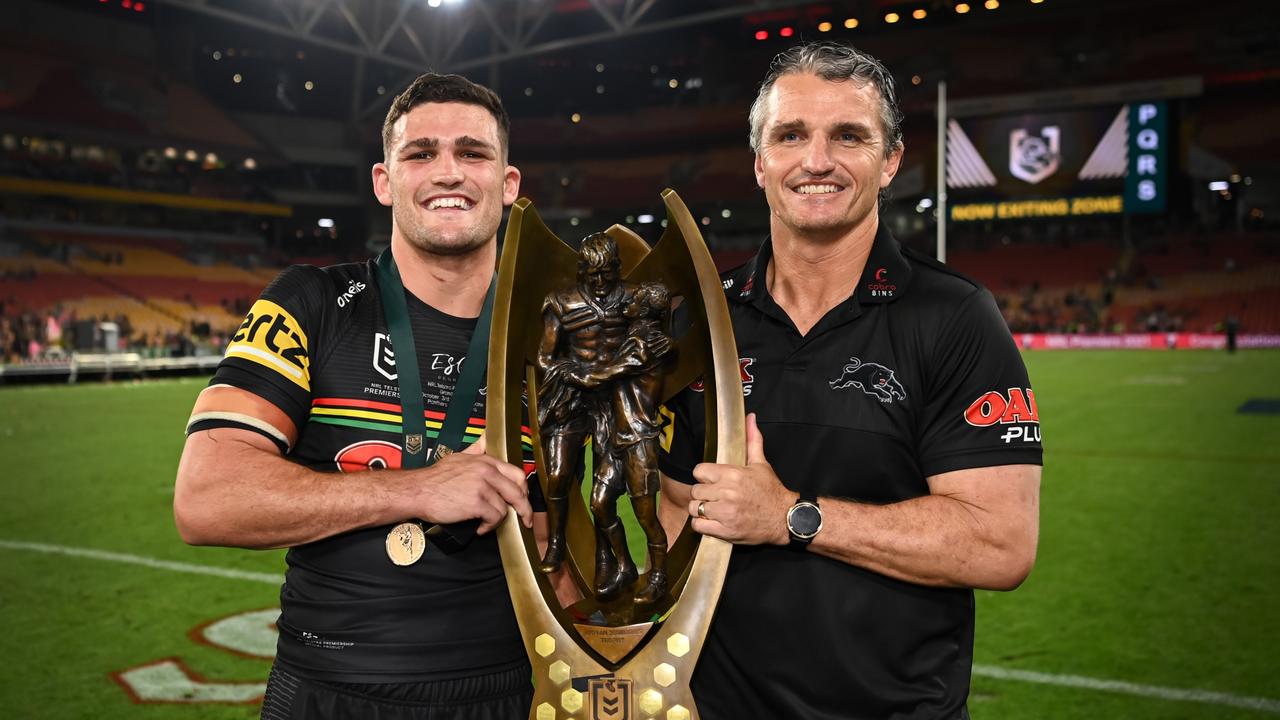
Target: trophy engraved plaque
point(583, 339)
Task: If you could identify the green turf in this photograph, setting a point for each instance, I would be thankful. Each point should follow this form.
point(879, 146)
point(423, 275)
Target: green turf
point(1157, 563)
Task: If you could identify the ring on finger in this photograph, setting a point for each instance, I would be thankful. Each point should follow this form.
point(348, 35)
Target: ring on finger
point(702, 509)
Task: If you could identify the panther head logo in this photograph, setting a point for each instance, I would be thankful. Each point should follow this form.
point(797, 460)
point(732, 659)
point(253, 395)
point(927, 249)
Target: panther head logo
point(871, 378)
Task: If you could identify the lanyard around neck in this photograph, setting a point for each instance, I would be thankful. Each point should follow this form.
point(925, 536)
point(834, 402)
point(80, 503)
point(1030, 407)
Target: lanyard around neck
point(412, 415)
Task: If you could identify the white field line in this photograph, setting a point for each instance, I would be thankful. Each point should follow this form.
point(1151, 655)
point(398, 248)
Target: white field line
point(144, 561)
point(1118, 686)
point(1073, 681)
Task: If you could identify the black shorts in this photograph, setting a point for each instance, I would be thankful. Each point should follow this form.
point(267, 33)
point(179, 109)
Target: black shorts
point(503, 695)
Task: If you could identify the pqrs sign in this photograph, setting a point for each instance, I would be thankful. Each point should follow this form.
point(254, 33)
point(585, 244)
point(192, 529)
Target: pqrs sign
point(1146, 182)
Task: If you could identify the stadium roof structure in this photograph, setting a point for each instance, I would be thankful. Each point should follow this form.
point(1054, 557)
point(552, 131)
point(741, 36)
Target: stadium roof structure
point(461, 35)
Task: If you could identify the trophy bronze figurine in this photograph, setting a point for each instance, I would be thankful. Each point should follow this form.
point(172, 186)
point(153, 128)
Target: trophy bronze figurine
point(584, 340)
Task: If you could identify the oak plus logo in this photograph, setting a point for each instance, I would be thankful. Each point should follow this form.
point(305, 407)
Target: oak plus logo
point(745, 375)
point(1016, 407)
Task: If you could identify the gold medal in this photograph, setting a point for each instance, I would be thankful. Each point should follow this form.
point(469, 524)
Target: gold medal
point(405, 543)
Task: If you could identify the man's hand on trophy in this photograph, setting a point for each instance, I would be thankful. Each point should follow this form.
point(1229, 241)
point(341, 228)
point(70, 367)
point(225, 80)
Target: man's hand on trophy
point(471, 485)
point(747, 504)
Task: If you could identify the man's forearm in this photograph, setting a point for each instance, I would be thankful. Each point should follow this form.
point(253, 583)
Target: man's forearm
point(240, 494)
point(235, 489)
point(938, 540)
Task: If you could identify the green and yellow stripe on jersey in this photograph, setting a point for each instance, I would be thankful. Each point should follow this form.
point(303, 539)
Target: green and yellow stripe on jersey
point(385, 417)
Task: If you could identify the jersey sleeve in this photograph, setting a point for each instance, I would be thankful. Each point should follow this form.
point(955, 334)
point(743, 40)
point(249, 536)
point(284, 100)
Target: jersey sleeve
point(980, 410)
point(682, 439)
point(271, 353)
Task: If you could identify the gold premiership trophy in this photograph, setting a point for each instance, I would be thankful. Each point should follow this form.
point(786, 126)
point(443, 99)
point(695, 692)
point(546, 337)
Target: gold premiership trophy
point(573, 333)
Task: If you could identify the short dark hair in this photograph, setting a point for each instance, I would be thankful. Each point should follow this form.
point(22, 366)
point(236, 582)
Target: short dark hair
point(436, 88)
point(598, 251)
point(836, 62)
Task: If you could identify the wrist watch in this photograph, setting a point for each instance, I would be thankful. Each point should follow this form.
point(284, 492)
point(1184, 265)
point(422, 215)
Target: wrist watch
point(804, 520)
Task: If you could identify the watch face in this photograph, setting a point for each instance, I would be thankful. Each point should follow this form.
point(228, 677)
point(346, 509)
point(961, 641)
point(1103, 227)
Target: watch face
point(804, 520)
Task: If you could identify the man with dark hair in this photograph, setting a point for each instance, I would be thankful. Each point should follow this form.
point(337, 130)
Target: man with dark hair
point(312, 395)
point(893, 443)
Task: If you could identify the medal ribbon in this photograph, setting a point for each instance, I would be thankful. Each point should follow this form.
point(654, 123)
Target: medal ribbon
point(453, 537)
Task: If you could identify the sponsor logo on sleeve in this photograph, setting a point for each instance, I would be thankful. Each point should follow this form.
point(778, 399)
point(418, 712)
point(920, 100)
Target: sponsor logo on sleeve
point(271, 337)
point(744, 375)
point(1015, 407)
point(668, 427)
point(871, 378)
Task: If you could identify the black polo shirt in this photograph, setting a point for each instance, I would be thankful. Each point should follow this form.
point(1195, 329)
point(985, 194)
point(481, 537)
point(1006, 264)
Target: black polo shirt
point(914, 375)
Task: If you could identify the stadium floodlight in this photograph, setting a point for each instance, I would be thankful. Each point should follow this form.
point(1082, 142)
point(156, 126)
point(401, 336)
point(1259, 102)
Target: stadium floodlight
point(925, 203)
point(645, 219)
point(433, 3)
point(1219, 185)
point(725, 213)
point(325, 222)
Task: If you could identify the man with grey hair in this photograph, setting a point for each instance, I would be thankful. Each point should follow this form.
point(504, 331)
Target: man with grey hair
point(893, 442)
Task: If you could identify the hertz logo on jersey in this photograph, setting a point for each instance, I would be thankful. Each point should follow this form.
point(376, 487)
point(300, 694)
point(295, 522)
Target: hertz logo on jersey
point(271, 337)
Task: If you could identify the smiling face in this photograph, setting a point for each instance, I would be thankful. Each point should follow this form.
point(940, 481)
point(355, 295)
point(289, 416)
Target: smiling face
point(823, 156)
point(445, 178)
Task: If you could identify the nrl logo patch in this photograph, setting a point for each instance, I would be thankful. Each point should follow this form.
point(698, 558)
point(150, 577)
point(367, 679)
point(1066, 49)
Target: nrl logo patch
point(871, 378)
point(384, 356)
point(1034, 157)
point(610, 698)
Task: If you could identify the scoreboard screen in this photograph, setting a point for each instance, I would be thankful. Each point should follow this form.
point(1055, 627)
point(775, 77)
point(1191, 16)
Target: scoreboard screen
point(1053, 164)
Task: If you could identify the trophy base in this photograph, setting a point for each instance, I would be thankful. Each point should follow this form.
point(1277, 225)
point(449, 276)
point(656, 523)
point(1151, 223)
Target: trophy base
point(614, 628)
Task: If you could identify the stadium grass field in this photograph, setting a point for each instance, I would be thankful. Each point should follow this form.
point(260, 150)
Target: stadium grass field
point(1158, 565)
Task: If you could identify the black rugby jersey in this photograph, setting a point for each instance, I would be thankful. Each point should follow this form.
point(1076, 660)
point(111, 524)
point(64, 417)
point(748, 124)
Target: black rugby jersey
point(316, 345)
point(914, 375)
